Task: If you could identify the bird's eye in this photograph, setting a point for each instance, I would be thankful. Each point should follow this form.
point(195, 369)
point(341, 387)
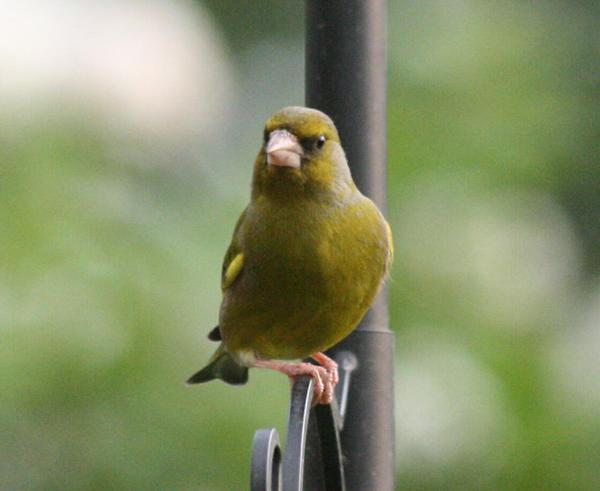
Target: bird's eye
point(321, 141)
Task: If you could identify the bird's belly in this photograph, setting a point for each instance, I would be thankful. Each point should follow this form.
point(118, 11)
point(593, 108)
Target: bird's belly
point(302, 288)
point(288, 312)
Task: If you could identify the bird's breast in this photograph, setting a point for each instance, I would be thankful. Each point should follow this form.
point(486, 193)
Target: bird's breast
point(308, 277)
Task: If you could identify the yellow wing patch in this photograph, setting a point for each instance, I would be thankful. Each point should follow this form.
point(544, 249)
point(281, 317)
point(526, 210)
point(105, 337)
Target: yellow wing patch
point(232, 271)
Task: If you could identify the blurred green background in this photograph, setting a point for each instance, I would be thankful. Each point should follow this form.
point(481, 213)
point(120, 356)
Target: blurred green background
point(127, 134)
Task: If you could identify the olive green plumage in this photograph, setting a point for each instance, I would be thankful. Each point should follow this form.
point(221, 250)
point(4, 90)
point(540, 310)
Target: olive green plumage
point(307, 256)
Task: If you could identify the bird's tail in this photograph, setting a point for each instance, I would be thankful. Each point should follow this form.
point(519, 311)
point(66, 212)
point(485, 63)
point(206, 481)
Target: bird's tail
point(221, 365)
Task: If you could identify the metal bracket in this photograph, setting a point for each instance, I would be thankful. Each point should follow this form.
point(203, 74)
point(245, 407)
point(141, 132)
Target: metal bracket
point(313, 457)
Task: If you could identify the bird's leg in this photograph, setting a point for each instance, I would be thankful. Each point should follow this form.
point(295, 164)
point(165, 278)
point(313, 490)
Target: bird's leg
point(329, 365)
point(320, 375)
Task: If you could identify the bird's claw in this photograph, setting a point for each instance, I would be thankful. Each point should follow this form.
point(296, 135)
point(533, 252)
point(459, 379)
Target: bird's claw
point(324, 376)
point(322, 383)
point(325, 394)
point(329, 365)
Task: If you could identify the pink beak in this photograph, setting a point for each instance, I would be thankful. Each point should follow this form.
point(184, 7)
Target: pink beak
point(283, 149)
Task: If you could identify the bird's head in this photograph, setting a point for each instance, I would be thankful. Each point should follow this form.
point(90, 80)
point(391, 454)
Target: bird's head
point(301, 154)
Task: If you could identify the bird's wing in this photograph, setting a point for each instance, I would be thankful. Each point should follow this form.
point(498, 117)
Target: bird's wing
point(215, 334)
point(234, 258)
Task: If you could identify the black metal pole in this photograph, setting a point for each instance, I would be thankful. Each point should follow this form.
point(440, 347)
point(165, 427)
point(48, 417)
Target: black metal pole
point(346, 78)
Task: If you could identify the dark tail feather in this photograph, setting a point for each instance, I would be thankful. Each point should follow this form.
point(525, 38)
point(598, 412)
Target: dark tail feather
point(223, 366)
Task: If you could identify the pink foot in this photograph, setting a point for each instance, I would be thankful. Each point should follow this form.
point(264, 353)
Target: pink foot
point(329, 365)
point(321, 377)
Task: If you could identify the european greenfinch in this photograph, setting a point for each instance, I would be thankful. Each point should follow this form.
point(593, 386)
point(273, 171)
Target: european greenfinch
point(307, 257)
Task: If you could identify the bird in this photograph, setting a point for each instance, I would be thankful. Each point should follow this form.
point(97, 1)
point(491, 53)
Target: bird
point(308, 255)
